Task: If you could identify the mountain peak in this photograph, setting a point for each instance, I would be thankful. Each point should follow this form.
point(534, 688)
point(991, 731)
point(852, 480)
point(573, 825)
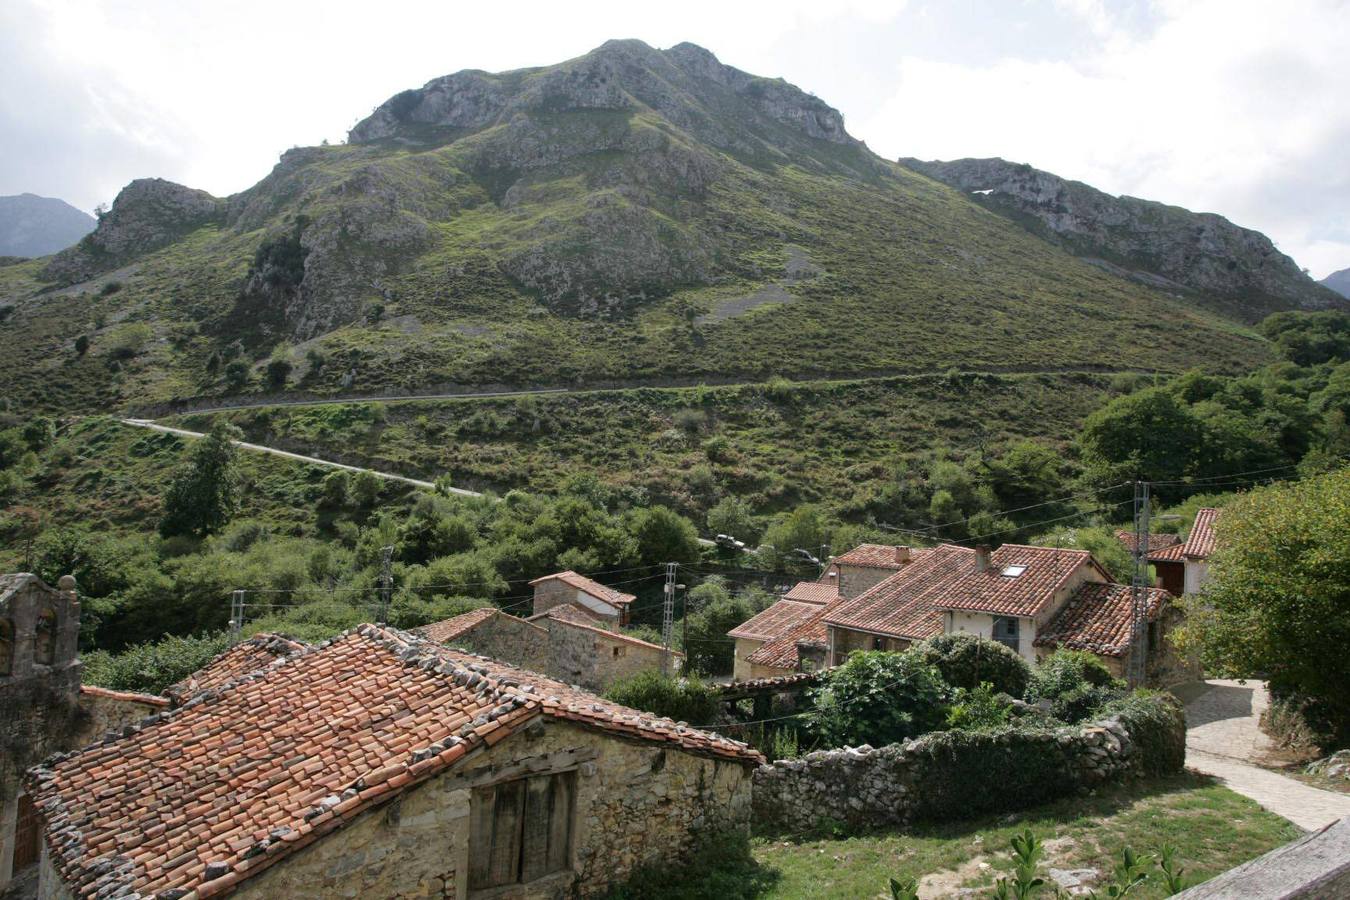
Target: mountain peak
point(1338, 282)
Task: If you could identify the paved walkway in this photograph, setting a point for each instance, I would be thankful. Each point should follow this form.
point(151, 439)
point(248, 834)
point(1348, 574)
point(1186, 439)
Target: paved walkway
point(1224, 739)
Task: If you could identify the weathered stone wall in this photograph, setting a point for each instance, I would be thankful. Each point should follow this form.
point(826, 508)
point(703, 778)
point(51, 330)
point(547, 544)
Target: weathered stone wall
point(947, 775)
point(509, 639)
point(636, 804)
point(854, 580)
point(548, 594)
point(741, 667)
point(593, 659)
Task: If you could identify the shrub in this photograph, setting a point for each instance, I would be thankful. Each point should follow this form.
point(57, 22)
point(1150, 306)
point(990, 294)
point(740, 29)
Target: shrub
point(82, 345)
point(278, 370)
point(718, 865)
point(967, 661)
point(878, 698)
point(152, 667)
point(1076, 683)
point(979, 709)
point(1157, 725)
point(688, 699)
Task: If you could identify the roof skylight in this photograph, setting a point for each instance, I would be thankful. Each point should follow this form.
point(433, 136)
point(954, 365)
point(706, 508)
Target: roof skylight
point(1012, 571)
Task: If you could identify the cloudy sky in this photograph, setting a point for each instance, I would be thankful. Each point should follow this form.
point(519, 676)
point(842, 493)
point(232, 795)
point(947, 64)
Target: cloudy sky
point(1240, 107)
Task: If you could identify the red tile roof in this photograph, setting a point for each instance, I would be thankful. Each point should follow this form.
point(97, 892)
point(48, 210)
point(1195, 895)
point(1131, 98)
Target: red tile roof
point(781, 652)
point(257, 652)
point(94, 690)
point(876, 556)
point(586, 585)
point(1098, 618)
point(1200, 542)
point(990, 591)
point(1168, 554)
point(207, 795)
point(778, 619)
point(457, 626)
point(902, 605)
point(1156, 542)
point(814, 591)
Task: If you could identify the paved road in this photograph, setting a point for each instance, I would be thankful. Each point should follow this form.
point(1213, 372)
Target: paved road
point(1224, 739)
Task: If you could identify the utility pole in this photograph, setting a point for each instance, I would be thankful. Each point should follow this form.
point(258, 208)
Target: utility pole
point(1139, 588)
point(236, 614)
point(668, 616)
point(386, 582)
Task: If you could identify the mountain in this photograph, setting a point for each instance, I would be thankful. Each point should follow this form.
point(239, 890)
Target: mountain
point(1167, 246)
point(1338, 282)
point(36, 226)
point(632, 216)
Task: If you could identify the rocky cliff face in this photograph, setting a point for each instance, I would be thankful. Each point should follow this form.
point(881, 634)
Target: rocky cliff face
point(1164, 245)
point(36, 226)
point(148, 214)
point(1338, 282)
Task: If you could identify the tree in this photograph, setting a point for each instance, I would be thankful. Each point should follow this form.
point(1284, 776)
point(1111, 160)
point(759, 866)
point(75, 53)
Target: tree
point(1150, 434)
point(236, 374)
point(278, 370)
point(968, 661)
point(878, 698)
point(708, 648)
point(203, 494)
point(664, 536)
point(82, 345)
point(1279, 601)
point(732, 516)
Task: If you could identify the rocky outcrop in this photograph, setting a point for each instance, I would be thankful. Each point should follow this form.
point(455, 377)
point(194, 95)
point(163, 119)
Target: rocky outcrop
point(1169, 247)
point(148, 214)
point(1338, 282)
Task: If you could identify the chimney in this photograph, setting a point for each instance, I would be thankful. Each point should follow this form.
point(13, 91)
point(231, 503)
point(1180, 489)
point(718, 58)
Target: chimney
point(982, 558)
point(66, 584)
point(902, 555)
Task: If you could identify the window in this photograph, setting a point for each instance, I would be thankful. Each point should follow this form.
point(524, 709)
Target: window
point(44, 638)
point(1012, 571)
point(878, 643)
point(620, 651)
point(521, 830)
point(6, 646)
point(1005, 631)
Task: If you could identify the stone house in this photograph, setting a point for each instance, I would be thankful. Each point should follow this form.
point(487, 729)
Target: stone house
point(1182, 567)
point(564, 642)
point(1164, 555)
point(381, 764)
point(1199, 546)
point(867, 565)
point(45, 707)
point(793, 615)
point(580, 591)
point(1099, 618)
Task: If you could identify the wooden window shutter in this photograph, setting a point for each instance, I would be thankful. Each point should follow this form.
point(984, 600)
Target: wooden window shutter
point(547, 841)
point(494, 850)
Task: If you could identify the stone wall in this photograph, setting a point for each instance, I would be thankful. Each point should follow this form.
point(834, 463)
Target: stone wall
point(595, 659)
point(509, 639)
point(636, 804)
point(952, 775)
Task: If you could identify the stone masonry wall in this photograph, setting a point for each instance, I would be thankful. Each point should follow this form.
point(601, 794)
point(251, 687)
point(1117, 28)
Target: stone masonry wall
point(637, 803)
point(587, 657)
point(945, 775)
point(509, 639)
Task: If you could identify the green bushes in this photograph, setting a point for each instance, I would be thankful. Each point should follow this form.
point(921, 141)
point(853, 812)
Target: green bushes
point(878, 698)
point(1157, 725)
point(151, 667)
point(1076, 684)
point(688, 699)
point(967, 661)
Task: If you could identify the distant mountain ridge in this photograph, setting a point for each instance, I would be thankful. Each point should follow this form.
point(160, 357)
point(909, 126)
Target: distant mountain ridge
point(38, 226)
point(1338, 282)
point(1167, 246)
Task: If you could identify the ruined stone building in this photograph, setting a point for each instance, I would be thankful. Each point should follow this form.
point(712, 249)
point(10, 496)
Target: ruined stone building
point(44, 708)
point(381, 764)
point(577, 590)
point(564, 641)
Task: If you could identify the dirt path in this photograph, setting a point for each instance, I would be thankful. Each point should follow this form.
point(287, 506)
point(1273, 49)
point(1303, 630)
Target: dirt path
point(1224, 739)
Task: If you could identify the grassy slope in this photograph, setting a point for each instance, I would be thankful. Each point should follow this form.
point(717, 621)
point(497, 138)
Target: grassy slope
point(1213, 829)
point(785, 445)
point(912, 277)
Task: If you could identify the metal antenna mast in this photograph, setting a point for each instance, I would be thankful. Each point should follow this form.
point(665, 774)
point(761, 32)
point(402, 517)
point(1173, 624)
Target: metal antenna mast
point(668, 616)
point(386, 581)
point(1139, 588)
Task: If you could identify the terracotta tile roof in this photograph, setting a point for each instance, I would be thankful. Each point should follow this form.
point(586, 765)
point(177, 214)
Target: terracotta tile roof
point(991, 591)
point(1170, 553)
point(575, 612)
point(1156, 542)
point(207, 795)
point(876, 556)
point(814, 591)
point(781, 652)
point(772, 682)
point(94, 690)
point(251, 655)
point(1098, 619)
point(778, 619)
point(586, 585)
point(1200, 542)
point(902, 605)
point(457, 626)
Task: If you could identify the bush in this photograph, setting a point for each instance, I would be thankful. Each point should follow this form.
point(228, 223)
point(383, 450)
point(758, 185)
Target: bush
point(152, 667)
point(878, 698)
point(683, 699)
point(979, 709)
point(967, 661)
point(718, 865)
point(1157, 725)
point(1076, 684)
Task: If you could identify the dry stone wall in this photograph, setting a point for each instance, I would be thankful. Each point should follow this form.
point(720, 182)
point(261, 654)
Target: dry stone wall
point(953, 775)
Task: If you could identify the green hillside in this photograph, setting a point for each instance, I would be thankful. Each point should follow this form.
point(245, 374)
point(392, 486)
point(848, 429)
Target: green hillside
point(629, 217)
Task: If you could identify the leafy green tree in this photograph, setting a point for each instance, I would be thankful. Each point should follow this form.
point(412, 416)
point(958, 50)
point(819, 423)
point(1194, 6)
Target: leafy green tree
point(688, 699)
point(878, 698)
point(803, 528)
point(366, 489)
point(1150, 434)
point(708, 649)
point(236, 374)
point(968, 661)
point(664, 536)
point(1278, 600)
point(733, 516)
point(203, 495)
point(335, 488)
point(278, 370)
